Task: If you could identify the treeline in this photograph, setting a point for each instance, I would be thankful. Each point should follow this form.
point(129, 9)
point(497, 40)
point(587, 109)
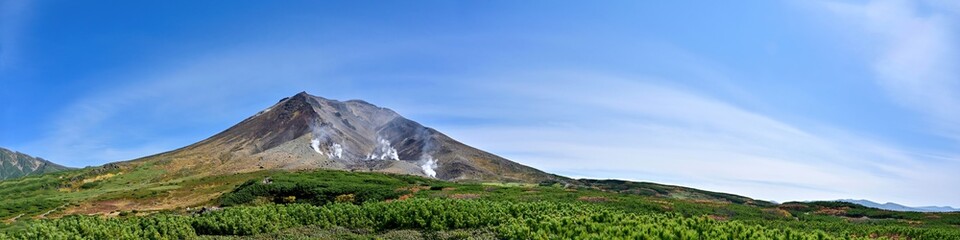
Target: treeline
point(525, 220)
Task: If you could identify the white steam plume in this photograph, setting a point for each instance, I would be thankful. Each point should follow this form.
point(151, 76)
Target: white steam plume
point(315, 144)
point(323, 136)
point(430, 166)
point(384, 151)
point(336, 152)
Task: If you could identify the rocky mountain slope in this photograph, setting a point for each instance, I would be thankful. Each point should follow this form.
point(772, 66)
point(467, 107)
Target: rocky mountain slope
point(309, 132)
point(15, 164)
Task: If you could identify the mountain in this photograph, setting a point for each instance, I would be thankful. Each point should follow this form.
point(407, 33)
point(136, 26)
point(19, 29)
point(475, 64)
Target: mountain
point(897, 207)
point(289, 141)
point(309, 132)
point(15, 164)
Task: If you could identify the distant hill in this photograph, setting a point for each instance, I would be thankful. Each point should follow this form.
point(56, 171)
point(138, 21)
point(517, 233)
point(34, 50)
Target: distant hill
point(14, 164)
point(668, 191)
point(897, 207)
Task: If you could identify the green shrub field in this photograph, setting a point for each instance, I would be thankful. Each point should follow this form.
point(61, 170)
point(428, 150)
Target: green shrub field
point(310, 205)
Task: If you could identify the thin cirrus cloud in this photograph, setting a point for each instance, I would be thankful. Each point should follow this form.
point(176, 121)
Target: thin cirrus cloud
point(633, 128)
point(914, 53)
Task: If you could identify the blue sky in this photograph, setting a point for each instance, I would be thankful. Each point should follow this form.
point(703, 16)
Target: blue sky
point(780, 100)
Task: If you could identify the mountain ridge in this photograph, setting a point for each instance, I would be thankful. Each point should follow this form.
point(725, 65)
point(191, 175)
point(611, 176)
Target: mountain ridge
point(14, 164)
point(898, 207)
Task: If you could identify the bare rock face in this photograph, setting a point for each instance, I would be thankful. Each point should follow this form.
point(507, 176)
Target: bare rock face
point(307, 132)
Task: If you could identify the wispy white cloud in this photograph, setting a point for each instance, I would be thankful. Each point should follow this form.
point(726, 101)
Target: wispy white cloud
point(634, 129)
point(915, 53)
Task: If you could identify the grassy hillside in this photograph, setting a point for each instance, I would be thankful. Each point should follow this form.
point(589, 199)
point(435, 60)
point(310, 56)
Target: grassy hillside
point(342, 205)
point(110, 190)
point(668, 191)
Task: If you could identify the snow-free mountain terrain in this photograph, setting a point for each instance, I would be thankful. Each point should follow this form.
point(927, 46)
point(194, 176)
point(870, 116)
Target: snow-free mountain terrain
point(308, 132)
point(901, 208)
point(15, 164)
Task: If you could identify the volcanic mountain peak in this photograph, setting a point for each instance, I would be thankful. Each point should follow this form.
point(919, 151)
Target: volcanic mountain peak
point(306, 131)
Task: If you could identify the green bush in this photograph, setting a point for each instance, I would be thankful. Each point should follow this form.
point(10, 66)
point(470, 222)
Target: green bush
point(322, 200)
point(90, 185)
point(321, 187)
point(526, 220)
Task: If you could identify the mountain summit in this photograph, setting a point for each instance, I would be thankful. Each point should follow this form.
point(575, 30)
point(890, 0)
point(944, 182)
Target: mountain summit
point(15, 164)
point(308, 132)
